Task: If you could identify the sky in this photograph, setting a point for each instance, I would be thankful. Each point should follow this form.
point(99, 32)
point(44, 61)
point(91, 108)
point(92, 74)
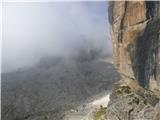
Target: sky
point(34, 30)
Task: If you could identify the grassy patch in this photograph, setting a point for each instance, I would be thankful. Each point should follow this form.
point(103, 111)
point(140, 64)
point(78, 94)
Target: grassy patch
point(136, 100)
point(145, 102)
point(131, 95)
point(124, 89)
point(99, 113)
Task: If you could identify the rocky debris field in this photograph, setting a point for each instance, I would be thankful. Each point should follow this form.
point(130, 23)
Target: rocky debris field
point(53, 86)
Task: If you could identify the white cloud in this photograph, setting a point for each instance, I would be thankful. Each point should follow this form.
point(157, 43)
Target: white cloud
point(35, 30)
point(53, 0)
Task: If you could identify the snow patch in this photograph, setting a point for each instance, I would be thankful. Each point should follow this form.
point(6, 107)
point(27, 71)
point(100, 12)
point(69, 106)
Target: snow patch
point(101, 101)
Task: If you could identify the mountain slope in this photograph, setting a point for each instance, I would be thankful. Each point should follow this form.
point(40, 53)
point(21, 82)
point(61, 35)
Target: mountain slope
point(135, 27)
point(53, 86)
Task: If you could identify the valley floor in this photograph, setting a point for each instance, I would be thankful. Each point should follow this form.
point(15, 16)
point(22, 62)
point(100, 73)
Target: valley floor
point(86, 113)
point(56, 85)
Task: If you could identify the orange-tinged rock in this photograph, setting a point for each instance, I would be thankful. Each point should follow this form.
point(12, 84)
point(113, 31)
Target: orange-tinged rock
point(135, 27)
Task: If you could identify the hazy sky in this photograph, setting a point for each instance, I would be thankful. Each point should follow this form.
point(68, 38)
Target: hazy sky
point(33, 30)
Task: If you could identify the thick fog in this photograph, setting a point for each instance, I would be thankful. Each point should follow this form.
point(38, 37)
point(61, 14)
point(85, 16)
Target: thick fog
point(32, 31)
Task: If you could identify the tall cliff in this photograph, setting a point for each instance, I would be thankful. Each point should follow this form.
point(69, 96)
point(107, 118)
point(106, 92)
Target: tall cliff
point(135, 30)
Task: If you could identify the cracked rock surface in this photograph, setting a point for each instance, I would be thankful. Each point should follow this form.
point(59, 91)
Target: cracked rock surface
point(135, 31)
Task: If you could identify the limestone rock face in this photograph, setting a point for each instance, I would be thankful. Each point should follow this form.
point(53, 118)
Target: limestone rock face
point(135, 31)
point(127, 104)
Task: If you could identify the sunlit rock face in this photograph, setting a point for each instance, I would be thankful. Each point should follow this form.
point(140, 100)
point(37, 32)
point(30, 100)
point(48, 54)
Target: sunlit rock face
point(135, 31)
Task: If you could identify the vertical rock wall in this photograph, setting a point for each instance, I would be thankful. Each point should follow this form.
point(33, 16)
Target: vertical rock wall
point(135, 31)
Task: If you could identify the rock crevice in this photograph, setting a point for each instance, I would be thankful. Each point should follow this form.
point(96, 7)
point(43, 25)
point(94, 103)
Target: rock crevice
point(135, 31)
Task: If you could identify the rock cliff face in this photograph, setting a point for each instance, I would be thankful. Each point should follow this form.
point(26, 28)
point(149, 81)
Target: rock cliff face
point(135, 29)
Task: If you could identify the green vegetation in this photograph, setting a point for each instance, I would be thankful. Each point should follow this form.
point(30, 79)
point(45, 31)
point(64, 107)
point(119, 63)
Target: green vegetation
point(136, 100)
point(99, 113)
point(46, 116)
point(145, 102)
point(124, 89)
point(131, 95)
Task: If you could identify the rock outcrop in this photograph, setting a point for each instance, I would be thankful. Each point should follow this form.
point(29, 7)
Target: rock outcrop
point(126, 104)
point(135, 31)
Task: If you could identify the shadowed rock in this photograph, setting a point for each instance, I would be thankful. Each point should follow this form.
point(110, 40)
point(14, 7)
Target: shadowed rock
point(135, 30)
